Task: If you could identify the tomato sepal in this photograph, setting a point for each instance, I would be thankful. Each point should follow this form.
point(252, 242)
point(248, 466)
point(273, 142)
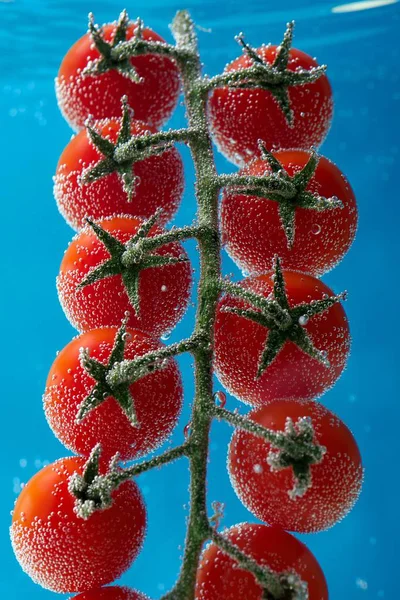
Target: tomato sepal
point(283, 321)
point(107, 61)
point(109, 164)
point(288, 191)
point(103, 389)
point(128, 260)
point(275, 78)
point(295, 447)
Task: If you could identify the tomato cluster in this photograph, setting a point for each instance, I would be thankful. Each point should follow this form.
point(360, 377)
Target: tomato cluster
point(281, 336)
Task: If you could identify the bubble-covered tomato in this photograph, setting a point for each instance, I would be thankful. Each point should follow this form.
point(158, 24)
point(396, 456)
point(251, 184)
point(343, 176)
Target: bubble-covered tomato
point(220, 578)
point(335, 481)
point(63, 552)
point(294, 353)
point(82, 411)
point(159, 180)
point(99, 281)
point(81, 94)
point(241, 117)
point(254, 229)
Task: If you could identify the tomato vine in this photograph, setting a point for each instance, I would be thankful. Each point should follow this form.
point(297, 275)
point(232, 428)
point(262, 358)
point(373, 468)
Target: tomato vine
point(296, 447)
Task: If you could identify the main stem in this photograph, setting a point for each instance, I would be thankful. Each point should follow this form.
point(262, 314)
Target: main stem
point(207, 190)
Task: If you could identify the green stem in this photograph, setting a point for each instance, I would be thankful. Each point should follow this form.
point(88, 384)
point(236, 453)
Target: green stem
point(265, 577)
point(268, 184)
point(277, 438)
point(126, 371)
point(129, 150)
point(153, 463)
point(208, 293)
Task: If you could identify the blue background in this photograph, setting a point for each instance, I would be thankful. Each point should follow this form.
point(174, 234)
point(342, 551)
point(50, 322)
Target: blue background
point(360, 47)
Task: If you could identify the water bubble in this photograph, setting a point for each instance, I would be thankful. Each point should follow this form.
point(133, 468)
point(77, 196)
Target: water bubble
point(362, 584)
point(303, 320)
point(220, 399)
point(316, 229)
point(187, 429)
point(258, 469)
point(166, 336)
point(164, 288)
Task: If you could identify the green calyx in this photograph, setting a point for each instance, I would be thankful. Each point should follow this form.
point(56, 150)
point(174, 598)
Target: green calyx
point(285, 323)
point(109, 164)
point(91, 490)
point(297, 449)
point(276, 77)
point(130, 259)
point(107, 60)
point(102, 389)
point(296, 194)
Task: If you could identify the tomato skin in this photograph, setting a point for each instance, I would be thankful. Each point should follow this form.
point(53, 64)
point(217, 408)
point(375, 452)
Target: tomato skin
point(240, 117)
point(157, 399)
point(164, 291)
point(161, 181)
point(336, 480)
point(111, 593)
point(63, 552)
point(153, 100)
point(293, 374)
point(219, 577)
point(253, 232)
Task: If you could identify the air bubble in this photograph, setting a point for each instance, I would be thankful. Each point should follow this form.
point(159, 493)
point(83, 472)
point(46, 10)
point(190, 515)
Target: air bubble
point(316, 229)
point(220, 399)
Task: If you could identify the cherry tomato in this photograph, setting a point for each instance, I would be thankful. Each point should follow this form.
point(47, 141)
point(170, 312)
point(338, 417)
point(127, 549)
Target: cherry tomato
point(157, 399)
point(336, 480)
point(160, 181)
point(239, 344)
point(163, 291)
point(220, 578)
point(153, 100)
point(240, 117)
point(111, 593)
point(63, 552)
point(253, 231)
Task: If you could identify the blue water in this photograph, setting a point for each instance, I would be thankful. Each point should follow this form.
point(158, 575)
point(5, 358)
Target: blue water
point(360, 47)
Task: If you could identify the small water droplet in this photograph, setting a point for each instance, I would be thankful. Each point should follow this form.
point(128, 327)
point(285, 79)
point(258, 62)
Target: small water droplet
point(316, 229)
point(186, 430)
point(220, 399)
point(303, 320)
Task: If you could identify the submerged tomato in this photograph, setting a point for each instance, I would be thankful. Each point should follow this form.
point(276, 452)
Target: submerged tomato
point(253, 232)
point(63, 552)
point(160, 181)
point(220, 578)
point(157, 399)
point(163, 290)
point(336, 480)
point(152, 100)
point(239, 344)
point(241, 117)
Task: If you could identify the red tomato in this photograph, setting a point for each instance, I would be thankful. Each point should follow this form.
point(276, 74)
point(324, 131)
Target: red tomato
point(63, 552)
point(219, 577)
point(160, 181)
point(239, 343)
point(164, 291)
point(253, 232)
point(153, 100)
point(240, 117)
point(336, 480)
point(111, 593)
point(157, 399)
